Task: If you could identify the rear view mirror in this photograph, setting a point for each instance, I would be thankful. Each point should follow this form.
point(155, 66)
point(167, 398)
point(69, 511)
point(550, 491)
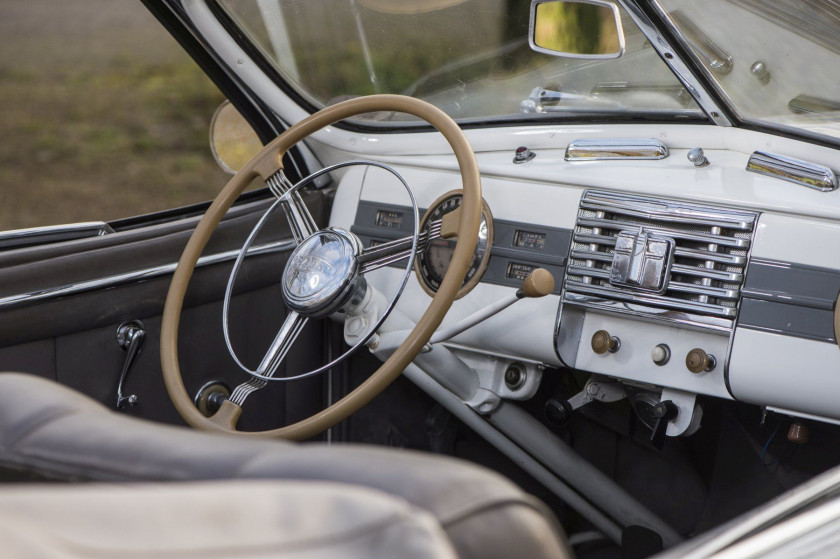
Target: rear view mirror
point(232, 140)
point(576, 28)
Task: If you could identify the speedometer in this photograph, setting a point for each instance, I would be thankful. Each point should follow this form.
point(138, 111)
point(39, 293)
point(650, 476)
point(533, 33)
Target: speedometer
point(433, 261)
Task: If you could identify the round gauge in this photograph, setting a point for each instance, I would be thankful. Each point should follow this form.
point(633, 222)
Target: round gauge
point(432, 262)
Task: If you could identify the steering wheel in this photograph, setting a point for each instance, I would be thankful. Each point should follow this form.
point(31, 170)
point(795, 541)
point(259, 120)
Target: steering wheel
point(267, 164)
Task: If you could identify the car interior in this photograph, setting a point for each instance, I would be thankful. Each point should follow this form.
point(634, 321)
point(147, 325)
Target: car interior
point(428, 335)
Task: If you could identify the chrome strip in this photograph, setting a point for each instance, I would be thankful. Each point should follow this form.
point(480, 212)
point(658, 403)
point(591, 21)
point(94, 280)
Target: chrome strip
point(575, 288)
point(668, 210)
point(797, 171)
point(52, 234)
point(677, 65)
point(611, 149)
point(609, 306)
point(12, 301)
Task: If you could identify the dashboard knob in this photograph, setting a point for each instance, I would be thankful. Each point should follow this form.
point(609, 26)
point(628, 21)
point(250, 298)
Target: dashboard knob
point(698, 361)
point(539, 283)
point(661, 354)
point(602, 342)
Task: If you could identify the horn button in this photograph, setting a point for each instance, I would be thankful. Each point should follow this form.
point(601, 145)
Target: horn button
point(322, 274)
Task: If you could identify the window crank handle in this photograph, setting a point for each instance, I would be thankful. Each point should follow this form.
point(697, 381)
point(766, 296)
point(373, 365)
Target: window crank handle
point(130, 337)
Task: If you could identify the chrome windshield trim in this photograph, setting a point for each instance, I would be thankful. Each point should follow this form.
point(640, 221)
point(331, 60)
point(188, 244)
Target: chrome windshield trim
point(21, 299)
point(797, 171)
point(18, 238)
point(675, 63)
point(615, 149)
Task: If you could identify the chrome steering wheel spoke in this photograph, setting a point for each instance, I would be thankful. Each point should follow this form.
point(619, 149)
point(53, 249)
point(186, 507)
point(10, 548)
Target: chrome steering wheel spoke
point(300, 220)
point(381, 255)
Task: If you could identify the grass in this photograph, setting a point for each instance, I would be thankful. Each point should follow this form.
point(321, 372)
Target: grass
point(107, 121)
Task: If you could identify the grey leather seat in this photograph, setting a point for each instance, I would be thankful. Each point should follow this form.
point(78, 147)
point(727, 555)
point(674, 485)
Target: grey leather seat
point(58, 433)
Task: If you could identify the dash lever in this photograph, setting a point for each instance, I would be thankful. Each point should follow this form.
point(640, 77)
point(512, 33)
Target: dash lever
point(130, 337)
point(664, 412)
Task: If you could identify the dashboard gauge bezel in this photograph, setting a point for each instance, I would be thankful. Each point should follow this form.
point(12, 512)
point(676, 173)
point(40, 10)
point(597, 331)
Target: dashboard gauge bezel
point(479, 263)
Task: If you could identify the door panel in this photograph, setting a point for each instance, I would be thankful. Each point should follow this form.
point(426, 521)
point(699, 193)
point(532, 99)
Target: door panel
point(70, 334)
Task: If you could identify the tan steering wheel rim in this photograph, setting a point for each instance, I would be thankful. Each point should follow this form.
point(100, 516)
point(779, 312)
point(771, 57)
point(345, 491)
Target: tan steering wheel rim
point(266, 163)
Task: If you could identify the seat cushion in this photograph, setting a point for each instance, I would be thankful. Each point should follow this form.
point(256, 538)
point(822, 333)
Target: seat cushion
point(293, 520)
point(49, 429)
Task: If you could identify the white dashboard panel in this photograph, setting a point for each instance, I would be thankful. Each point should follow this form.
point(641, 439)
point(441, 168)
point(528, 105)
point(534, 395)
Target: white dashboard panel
point(633, 359)
point(797, 240)
point(786, 372)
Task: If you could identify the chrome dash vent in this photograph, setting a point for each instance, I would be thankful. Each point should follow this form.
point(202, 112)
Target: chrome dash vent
point(706, 261)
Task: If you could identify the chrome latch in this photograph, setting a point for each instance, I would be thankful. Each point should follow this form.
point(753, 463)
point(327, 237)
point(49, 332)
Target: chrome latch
point(642, 261)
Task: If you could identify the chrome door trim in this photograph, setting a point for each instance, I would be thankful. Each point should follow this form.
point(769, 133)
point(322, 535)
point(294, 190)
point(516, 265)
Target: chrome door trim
point(22, 299)
point(18, 238)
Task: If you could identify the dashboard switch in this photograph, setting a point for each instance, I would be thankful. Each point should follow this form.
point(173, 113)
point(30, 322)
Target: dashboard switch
point(698, 361)
point(602, 342)
point(661, 354)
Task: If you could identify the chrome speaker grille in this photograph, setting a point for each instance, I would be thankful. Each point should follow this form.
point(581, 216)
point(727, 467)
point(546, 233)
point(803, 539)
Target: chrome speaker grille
point(710, 252)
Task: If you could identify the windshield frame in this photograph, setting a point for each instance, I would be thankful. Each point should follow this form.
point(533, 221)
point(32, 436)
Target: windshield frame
point(255, 53)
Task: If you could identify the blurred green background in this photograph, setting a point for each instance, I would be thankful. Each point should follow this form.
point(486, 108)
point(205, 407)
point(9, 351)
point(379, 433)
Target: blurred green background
point(103, 115)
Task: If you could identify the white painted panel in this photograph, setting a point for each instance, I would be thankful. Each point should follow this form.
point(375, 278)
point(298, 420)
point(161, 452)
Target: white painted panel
point(798, 240)
point(633, 360)
point(786, 372)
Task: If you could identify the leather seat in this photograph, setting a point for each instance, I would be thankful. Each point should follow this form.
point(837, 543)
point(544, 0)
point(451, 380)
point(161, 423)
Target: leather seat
point(53, 431)
point(255, 518)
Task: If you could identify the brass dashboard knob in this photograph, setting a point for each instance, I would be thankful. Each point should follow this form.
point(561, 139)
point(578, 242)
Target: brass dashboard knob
point(698, 361)
point(602, 342)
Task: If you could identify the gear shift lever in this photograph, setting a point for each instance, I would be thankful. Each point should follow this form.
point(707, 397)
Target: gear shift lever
point(538, 283)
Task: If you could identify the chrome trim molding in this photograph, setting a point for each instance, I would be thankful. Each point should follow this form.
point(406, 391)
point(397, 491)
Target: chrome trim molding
point(610, 149)
point(689, 320)
point(52, 234)
point(797, 171)
point(13, 301)
point(677, 65)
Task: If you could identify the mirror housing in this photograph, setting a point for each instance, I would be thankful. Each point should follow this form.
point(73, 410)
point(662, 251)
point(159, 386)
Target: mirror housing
point(232, 140)
point(588, 29)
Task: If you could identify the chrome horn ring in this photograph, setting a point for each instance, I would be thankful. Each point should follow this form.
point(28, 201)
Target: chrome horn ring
point(342, 281)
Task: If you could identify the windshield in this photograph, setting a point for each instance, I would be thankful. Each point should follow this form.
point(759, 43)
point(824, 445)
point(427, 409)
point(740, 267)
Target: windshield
point(469, 57)
point(776, 62)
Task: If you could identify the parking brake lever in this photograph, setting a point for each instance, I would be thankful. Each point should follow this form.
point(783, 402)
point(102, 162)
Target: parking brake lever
point(538, 283)
point(130, 337)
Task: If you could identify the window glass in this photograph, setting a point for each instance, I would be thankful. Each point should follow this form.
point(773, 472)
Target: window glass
point(103, 115)
point(469, 57)
point(783, 73)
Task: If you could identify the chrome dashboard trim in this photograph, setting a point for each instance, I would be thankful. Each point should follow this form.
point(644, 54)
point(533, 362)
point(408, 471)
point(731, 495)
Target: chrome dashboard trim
point(52, 234)
point(664, 210)
point(705, 323)
point(22, 299)
point(680, 69)
point(614, 149)
point(797, 171)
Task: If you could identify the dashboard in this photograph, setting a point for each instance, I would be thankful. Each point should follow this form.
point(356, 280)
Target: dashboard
point(701, 290)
